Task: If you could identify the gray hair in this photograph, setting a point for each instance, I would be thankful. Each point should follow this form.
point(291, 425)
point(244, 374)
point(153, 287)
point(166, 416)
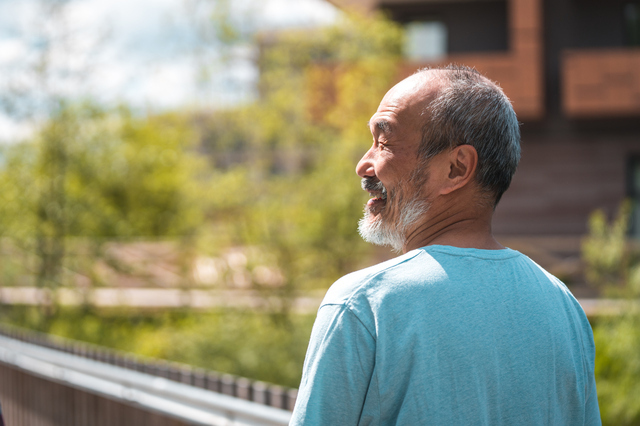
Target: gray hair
point(472, 110)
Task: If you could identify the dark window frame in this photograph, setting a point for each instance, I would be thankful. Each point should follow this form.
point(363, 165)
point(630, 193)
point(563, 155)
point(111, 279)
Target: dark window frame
point(631, 18)
point(633, 193)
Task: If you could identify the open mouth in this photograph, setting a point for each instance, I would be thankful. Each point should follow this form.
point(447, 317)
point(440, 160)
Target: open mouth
point(378, 199)
point(376, 190)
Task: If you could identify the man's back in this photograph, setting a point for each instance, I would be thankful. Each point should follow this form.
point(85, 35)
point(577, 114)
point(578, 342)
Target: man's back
point(445, 335)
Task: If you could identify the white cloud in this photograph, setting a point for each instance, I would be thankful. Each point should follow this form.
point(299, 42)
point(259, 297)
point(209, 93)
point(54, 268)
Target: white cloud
point(12, 130)
point(287, 13)
point(12, 49)
point(142, 52)
point(15, 15)
point(167, 85)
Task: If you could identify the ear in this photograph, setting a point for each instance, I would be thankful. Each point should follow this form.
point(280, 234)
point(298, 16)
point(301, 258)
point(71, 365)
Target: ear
point(462, 163)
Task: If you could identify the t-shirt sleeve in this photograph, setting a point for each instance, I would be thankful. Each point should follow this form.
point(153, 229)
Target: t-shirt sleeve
point(592, 410)
point(337, 370)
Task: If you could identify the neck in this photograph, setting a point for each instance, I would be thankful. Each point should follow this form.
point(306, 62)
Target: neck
point(452, 225)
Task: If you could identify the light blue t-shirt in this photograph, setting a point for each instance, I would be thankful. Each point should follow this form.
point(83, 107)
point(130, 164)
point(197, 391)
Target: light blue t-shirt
point(449, 336)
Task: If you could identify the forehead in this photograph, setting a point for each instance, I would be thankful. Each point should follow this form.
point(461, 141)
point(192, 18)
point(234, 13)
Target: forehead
point(406, 101)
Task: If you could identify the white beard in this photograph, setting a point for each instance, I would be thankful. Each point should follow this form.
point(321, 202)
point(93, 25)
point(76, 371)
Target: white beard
point(381, 232)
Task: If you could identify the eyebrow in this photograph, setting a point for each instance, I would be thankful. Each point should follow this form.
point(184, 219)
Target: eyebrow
point(381, 124)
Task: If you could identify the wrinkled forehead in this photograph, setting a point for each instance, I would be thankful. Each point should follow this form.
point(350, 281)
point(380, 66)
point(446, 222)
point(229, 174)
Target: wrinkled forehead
point(406, 102)
point(415, 91)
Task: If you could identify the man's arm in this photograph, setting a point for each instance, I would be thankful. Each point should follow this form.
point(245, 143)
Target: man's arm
point(337, 370)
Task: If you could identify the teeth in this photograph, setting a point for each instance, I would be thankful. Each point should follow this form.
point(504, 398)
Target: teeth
point(381, 196)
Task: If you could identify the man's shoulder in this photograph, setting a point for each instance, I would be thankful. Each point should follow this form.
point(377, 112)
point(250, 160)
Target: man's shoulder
point(436, 272)
point(432, 269)
point(367, 280)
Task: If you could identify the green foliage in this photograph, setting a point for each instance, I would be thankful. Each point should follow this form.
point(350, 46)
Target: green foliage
point(618, 368)
point(279, 186)
point(16, 190)
point(613, 266)
point(284, 178)
point(90, 176)
point(95, 173)
point(611, 261)
point(136, 177)
point(280, 176)
point(244, 343)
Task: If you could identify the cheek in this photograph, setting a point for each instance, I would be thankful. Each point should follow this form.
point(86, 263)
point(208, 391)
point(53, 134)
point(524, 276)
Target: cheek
point(438, 178)
point(391, 168)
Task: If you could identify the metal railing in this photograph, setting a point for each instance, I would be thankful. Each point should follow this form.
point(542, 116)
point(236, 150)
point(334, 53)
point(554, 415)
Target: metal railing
point(192, 395)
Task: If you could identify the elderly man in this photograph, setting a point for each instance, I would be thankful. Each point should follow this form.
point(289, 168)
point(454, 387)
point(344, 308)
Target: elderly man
point(458, 330)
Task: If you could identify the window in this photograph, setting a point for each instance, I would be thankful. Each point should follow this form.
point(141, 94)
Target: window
point(632, 23)
point(425, 40)
point(634, 195)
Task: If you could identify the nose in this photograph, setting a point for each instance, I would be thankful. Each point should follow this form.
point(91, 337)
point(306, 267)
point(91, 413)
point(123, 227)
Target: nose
point(365, 166)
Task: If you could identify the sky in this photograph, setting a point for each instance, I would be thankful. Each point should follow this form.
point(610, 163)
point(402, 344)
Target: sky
point(147, 53)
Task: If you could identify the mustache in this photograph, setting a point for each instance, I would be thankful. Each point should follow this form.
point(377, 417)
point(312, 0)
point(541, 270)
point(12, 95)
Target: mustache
point(370, 184)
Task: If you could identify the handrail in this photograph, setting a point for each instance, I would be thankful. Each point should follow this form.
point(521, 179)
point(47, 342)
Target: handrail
point(177, 400)
point(252, 390)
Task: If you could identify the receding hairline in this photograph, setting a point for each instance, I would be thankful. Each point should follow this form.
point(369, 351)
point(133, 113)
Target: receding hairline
point(447, 73)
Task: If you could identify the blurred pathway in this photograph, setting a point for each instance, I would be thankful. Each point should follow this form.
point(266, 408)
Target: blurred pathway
point(158, 298)
point(202, 299)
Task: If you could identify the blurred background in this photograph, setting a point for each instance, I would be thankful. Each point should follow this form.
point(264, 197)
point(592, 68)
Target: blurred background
point(177, 185)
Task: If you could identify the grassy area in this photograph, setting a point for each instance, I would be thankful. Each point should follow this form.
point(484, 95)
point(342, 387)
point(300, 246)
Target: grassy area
point(242, 342)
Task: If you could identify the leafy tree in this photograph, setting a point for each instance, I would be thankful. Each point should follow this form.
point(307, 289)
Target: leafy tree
point(612, 262)
point(136, 177)
point(613, 265)
point(280, 183)
point(295, 150)
point(617, 341)
point(90, 176)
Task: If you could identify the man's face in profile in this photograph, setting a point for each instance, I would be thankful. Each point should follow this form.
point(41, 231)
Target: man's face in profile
point(389, 173)
point(390, 170)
